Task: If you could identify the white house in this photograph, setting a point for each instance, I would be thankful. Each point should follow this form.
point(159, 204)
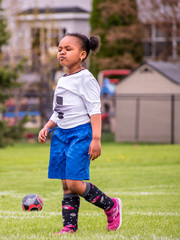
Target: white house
point(35, 31)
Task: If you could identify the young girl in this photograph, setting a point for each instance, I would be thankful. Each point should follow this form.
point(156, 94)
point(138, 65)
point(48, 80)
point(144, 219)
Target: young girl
point(77, 136)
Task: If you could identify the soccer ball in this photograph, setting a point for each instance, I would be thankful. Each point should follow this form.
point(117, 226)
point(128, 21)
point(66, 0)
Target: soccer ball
point(32, 202)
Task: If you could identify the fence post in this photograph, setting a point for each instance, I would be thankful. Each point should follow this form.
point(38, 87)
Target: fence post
point(137, 117)
point(172, 119)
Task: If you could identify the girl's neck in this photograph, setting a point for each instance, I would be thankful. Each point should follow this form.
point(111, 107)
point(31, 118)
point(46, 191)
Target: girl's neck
point(74, 69)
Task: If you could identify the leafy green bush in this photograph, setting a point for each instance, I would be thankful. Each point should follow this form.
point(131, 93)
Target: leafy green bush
point(9, 134)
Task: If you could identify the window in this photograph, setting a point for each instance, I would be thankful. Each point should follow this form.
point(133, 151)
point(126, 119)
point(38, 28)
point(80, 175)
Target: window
point(147, 47)
point(35, 48)
point(171, 2)
point(147, 32)
point(64, 31)
point(163, 49)
point(54, 37)
point(178, 48)
point(35, 34)
point(178, 30)
point(159, 31)
point(164, 30)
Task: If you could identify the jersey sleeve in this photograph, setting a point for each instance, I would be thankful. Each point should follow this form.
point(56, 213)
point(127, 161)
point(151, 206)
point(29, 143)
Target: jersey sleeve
point(54, 117)
point(90, 93)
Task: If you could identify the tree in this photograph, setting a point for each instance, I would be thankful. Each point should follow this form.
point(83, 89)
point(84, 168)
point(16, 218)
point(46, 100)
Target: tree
point(117, 24)
point(4, 34)
point(8, 81)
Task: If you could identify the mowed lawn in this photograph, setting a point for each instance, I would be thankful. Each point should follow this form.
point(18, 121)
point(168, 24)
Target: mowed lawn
point(145, 177)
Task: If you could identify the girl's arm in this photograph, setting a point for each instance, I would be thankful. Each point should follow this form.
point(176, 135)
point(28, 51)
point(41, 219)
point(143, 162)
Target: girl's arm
point(95, 146)
point(44, 131)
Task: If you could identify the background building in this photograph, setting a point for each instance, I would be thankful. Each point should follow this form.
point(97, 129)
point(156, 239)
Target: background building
point(148, 104)
point(161, 29)
point(37, 26)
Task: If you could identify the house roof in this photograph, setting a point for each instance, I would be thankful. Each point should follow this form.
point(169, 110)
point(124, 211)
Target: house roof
point(54, 10)
point(169, 70)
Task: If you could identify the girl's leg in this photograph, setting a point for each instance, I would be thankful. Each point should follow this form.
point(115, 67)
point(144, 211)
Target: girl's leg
point(90, 193)
point(70, 208)
point(111, 206)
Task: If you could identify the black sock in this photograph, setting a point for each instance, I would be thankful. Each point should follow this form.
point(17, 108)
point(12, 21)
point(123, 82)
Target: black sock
point(70, 208)
point(95, 196)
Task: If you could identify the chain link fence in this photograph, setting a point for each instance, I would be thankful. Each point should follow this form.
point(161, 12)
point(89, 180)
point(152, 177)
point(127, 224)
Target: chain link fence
point(148, 118)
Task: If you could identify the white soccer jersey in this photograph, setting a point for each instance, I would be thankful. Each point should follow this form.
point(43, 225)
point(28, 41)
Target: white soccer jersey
point(76, 98)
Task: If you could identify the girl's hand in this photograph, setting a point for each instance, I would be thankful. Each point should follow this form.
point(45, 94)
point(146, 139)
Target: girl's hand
point(44, 131)
point(94, 149)
point(43, 134)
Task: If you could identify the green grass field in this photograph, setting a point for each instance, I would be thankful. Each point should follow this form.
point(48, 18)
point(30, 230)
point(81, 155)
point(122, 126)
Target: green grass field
point(145, 177)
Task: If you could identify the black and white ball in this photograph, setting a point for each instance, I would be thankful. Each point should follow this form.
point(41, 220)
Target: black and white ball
point(32, 202)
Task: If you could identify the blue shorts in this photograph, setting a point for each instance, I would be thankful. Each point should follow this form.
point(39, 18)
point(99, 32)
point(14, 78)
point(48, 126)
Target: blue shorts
point(69, 158)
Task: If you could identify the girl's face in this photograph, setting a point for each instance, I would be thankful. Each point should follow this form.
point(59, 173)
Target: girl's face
point(70, 54)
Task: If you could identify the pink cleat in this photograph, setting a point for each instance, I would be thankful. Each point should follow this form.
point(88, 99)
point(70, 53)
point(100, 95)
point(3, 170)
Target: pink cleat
point(114, 215)
point(65, 230)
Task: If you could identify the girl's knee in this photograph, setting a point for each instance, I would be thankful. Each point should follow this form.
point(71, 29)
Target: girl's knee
point(64, 185)
point(75, 186)
point(69, 186)
point(72, 186)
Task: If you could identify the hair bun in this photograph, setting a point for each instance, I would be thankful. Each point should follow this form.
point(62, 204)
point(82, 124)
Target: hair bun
point(94, 43)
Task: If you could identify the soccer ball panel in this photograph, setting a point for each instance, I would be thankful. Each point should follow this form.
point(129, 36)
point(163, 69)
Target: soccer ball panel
point(32, 202)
